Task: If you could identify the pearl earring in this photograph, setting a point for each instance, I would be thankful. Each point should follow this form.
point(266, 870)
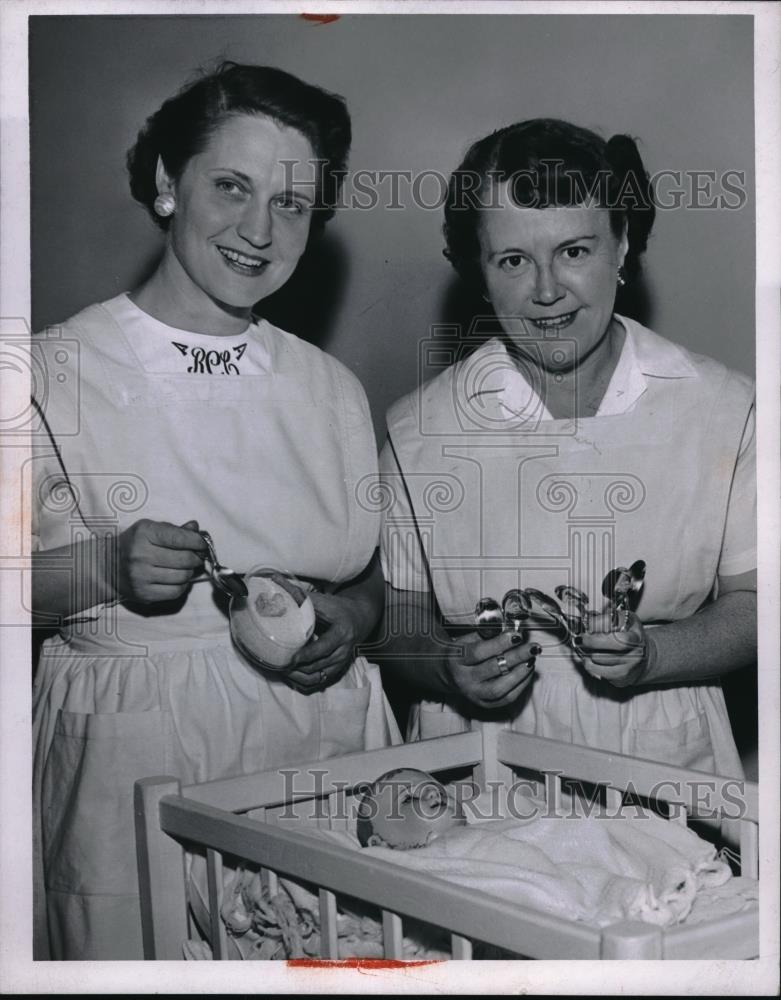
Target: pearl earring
point(165, 204)
point(621, 276)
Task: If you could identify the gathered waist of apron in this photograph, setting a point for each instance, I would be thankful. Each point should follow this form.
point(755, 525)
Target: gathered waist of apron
point(109, 645)
point(121, 631)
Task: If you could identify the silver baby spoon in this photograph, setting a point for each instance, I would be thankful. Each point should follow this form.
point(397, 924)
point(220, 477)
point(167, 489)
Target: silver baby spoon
point(543, 609)
point(488, 618)
point(546, 613)
point(516, 608)
point(623, 587)
point(229, 582)
point(574, 605)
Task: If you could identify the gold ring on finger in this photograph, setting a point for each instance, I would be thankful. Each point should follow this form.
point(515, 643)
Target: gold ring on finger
point(501, 662)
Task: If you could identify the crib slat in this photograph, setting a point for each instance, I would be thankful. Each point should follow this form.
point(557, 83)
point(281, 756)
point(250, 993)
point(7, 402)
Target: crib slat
point(749, 849)
point(219, 937)
point(553, 792)
point(329, 940)
point(323, 813)
point(392, 935)
point(491, 770)
point(461, 948)
point(161, 873)
point(271, 880)
point(338, 811)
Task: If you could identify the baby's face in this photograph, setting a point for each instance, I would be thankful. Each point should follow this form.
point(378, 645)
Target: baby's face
point(406, 808)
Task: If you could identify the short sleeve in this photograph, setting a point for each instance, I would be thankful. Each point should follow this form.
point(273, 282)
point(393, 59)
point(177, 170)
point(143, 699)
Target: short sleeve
point(52, 505)
point(739, 546)
point(401, 554)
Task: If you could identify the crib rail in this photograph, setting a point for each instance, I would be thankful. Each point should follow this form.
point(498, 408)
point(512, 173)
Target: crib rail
point(254, 791)
point(732, 936)
point(680, 785)
point(167, 816)
point(689, 793)
point(396, 891)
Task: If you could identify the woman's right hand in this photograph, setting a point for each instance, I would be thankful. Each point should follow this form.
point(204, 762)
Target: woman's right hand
point(157, 561)
point(491, 673)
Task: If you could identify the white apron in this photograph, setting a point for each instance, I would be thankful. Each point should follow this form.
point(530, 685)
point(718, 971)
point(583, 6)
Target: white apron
point(269, 464)
point(498, 503)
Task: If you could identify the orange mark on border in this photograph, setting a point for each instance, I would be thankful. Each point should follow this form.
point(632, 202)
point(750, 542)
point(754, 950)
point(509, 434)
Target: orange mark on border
point(356, 963)
point(320, 18)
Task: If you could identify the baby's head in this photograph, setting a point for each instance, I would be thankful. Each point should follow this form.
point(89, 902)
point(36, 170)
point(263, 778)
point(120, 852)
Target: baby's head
point(406, 808)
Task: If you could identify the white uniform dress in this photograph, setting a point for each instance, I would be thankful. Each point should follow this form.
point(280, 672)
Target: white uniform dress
point(264, 440)
point(498, 494)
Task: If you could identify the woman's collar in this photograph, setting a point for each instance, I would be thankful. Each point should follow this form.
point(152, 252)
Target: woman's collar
point(643, 354)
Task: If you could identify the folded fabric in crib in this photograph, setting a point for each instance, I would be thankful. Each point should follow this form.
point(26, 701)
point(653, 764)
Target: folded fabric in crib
point(286, 924)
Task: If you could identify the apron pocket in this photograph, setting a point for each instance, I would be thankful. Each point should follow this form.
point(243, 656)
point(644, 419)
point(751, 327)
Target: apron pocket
point(342, 720)
point(88, 822)
point(685, 745)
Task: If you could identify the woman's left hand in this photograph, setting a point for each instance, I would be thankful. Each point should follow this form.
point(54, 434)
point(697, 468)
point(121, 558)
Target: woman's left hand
point(328, 654)
point(620, 657)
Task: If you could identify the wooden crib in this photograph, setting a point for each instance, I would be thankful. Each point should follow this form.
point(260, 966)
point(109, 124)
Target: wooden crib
point(210, 815)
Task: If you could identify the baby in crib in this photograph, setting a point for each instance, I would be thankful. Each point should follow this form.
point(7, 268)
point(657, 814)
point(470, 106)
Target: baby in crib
point(581, 867)
point(407, 808)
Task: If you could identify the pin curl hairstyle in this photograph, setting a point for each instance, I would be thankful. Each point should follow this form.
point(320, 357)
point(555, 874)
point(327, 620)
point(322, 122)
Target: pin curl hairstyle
point(549, 163)
point(183, 125)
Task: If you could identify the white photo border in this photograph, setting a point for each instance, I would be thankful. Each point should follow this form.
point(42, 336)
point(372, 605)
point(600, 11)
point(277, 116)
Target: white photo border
point(18, 974)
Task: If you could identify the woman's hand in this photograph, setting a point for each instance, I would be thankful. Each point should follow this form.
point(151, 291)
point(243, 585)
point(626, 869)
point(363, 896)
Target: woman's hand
point(620, 657)
point(157, 561)
point(490, 673)
point(343, 620)
point(322, 661)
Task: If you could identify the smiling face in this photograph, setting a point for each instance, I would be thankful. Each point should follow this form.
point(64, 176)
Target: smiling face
point(550, 274)
point(242, 216)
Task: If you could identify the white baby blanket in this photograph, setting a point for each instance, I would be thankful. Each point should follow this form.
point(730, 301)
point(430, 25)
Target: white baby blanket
point(597, 870)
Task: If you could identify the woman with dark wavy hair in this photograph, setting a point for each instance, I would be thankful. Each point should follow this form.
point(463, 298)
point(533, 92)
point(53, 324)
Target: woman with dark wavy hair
point(574, 443)
point(212, 419)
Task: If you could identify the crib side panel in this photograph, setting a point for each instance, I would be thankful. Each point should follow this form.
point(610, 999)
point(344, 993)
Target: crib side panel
point(465, 912)
point(399, 895)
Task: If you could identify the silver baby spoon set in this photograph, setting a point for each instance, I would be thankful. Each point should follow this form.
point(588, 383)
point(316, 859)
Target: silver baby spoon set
point(567, 613)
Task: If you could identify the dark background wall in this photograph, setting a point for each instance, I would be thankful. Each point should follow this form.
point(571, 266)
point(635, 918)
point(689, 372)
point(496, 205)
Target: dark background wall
point(420, 89)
